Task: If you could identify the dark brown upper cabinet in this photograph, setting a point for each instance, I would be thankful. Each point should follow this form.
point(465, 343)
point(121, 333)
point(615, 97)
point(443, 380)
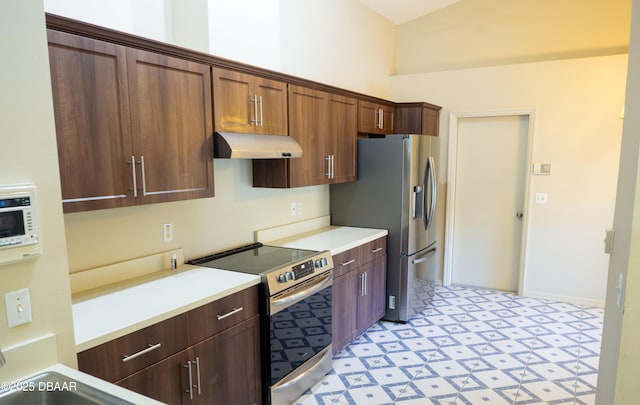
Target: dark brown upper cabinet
point(132, 126)
point(249, 104)
point(324, 124)
point(417, 118)
point(375, 118)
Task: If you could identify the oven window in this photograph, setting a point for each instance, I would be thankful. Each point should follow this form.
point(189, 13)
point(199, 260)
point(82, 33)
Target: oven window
point(11, 224)
point(299, 332)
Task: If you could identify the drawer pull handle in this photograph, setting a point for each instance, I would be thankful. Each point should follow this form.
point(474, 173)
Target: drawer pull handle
point(126, 358)
point(228, 314)
point(376, 250)
point(348, 262)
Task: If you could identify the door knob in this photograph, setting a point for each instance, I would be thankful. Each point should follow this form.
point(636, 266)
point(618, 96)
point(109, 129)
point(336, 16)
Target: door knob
point(519, 215)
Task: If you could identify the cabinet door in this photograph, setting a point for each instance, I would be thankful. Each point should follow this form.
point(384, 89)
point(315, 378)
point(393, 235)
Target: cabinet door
point(368, 122)
point(375, 118)
point(249, 104)
point(388, 115)
point(308, 124)
point(230, 366)
point(91, 106)
point(343, 316)
point(371, 293)
point(272, 107)
point(417, 118)
point(344, 133)
point(166, 381)
point(235, 108)
point(171, 116)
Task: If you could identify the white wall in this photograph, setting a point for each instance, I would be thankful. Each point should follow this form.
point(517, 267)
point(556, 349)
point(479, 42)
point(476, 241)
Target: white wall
point(246, 31)
point(499, 32)
point(27, 134)
point(147, 18)
point(577, 129)
point(338, 42)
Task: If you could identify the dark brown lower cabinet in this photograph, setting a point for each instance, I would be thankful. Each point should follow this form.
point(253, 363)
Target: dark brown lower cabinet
point(344, 301)
point(372, 282)
point(223, 369)
point(359, 290)
point(208, 355)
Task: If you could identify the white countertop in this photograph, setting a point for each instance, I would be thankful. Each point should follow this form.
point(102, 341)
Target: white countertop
point(114, 312)
point(335, 239)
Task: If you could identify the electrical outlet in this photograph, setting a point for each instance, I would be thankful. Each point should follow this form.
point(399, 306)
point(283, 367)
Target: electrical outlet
point(299, 209)
point(167, 232)
point(18, 306)
point(294, 209)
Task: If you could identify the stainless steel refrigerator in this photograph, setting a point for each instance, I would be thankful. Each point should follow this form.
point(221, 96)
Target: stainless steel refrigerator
point(396, 190)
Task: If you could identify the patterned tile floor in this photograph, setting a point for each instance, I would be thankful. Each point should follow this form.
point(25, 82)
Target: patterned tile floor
point(471, 346)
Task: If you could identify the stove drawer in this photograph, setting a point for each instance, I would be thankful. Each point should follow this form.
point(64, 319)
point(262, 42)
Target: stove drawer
point(212, 318)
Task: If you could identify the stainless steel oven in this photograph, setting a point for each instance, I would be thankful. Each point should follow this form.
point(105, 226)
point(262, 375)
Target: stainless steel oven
point(295, 311)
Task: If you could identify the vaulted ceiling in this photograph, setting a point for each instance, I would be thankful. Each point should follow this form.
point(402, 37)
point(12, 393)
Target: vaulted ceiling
point(402, 11)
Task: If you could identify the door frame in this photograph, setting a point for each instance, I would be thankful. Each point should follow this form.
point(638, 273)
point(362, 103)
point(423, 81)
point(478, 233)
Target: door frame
point(451, 190)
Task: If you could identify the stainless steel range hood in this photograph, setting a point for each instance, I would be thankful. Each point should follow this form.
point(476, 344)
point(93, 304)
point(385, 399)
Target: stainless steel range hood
point(231, 145)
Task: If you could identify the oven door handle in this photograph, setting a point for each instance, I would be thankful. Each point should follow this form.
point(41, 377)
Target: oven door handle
point(297, 296)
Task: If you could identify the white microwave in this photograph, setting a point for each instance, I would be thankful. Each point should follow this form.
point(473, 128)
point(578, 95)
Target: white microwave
point(19, 230)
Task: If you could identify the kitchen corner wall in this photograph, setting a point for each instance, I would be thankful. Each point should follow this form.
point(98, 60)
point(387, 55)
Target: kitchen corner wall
point(27, 155)
point(289, 36)
point(577, 128)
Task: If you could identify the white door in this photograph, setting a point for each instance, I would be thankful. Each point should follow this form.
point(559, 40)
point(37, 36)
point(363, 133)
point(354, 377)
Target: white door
point(489, 201)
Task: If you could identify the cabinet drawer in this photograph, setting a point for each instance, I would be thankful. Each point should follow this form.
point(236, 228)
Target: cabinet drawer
point(120, 357)
point(373, 250)
point(210, 319)
point(347, 261)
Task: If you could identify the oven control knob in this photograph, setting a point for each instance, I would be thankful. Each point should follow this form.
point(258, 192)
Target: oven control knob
point(282, 278)
point(290, 276)
point(318, 264)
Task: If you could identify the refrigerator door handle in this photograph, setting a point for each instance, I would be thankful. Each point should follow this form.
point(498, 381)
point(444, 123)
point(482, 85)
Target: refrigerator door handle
point(428, 220)
point(418, 201)
point(425, 256)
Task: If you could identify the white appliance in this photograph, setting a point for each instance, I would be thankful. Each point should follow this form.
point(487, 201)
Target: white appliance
point(19, 230)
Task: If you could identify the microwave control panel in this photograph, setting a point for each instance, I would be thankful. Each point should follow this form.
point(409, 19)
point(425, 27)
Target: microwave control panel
point(19, 230)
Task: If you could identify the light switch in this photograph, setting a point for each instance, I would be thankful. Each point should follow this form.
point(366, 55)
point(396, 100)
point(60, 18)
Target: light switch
point(541, 198)
point(18, 306)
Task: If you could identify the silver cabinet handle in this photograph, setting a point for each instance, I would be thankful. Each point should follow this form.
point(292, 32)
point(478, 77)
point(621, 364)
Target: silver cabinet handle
point(381, 118)
point(376, 250)
point(129, 357)
point(254, 100)
point(190, 390)
point(348, 262)
point(332, 171)
point(198, 374)
point(133, 175)
point(228, 314)
point(328, 173)
point(261, 122)
point(144, 177)
point(364, 275)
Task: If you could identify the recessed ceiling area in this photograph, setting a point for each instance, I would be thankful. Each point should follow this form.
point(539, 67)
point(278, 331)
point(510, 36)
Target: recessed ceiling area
point(402, 11)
